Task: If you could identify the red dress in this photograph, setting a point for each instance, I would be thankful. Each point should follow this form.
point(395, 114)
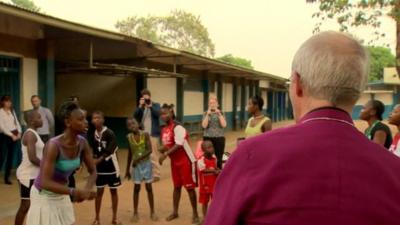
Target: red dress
point(207, 181)
point(182, 160)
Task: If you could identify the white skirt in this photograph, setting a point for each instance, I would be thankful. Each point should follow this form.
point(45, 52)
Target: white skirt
point(50, 210)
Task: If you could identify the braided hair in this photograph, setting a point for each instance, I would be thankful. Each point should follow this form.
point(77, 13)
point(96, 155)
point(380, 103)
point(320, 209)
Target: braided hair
point(258, 101)
point(66, 110)
point(379, 108)
point(170, 107)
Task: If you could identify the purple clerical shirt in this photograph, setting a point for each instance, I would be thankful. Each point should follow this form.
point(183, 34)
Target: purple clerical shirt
point(321, 171)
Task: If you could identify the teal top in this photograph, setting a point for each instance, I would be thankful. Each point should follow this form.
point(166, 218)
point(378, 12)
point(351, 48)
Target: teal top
point(64, 166)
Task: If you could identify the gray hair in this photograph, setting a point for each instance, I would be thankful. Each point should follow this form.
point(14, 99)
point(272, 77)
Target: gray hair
point(332, 66)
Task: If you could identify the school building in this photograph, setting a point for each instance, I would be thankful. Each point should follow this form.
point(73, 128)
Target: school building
point(55, 59)
point(386, 91)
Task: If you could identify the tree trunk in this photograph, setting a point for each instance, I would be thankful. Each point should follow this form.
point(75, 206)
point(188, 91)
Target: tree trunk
point(397, 19)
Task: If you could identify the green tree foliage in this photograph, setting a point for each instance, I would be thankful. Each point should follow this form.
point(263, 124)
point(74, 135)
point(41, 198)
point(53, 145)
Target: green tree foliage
point(26, 4)
point(380, 58)
point(357, 13)
point(179, 29)
point(229, 58)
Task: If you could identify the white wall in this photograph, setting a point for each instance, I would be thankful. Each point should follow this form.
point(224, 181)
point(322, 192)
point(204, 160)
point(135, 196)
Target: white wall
point(264, 97)
point(227, 89)
point(163, 90)
point(385, 98)
point(364, 98)
point(193, 103)
point(29, 82)
point(238, 97)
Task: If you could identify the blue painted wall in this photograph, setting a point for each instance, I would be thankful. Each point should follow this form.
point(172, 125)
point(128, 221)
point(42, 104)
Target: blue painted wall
point(10, 85)
point(193, 118)
point(46, 78)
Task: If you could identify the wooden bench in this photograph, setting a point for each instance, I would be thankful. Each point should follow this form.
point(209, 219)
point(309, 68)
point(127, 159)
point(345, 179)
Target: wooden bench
point(194, 128)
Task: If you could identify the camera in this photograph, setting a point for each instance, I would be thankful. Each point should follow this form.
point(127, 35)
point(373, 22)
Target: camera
point(147, 101)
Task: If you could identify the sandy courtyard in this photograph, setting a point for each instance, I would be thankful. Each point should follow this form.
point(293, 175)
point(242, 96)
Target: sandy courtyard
point(9, 200)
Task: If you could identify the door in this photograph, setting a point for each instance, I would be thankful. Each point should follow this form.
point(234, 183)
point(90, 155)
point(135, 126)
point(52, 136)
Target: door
point(9, 79)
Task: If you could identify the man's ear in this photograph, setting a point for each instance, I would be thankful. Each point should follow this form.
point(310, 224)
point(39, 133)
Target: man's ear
point(299, 90)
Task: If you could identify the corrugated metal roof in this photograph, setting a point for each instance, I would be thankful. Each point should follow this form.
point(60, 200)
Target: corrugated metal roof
point(97, 32)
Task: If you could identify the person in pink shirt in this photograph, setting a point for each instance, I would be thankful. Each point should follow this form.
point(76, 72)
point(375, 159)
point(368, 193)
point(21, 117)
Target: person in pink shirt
point(394, 119)
point(321, 170)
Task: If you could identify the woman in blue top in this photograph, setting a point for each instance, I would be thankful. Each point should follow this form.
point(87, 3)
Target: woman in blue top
point(50, 196)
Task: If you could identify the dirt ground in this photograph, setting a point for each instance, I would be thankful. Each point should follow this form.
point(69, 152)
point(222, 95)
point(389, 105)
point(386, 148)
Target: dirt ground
point(9, 200)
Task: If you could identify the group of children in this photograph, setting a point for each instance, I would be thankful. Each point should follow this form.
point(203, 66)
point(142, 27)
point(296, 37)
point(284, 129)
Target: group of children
point(44, 178)
point(175, 145)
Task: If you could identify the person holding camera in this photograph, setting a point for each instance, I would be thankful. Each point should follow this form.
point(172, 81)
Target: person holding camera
point(148, 115)
point(214, 124)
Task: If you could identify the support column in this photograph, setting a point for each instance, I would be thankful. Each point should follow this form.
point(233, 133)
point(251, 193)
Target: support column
point(219, 94)
point(243, 98)
point(270, 108)
point(257, 88)
point(235, 117)
point(275, 109)
point(141, 83)
point(284, 106)
point(46, 73)
point(179, 95)
point(206, 90)
point(280, 106)
point(251, 89)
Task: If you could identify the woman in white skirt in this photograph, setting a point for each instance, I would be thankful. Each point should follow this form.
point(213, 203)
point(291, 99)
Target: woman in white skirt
point(28, 170)
point(50, 195)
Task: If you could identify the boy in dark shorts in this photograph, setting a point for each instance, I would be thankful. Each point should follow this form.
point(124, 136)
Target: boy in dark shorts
point(104, 145)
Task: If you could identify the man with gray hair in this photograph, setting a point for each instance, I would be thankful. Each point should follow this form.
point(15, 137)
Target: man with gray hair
point(47, 130)
point(321, 170)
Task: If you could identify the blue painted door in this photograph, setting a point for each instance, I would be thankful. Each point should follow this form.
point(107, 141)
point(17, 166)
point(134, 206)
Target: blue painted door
point(9, 79)
point(10, 85)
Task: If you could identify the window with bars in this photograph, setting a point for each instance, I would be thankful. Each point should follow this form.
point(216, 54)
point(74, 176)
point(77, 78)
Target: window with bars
point(9, 64)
